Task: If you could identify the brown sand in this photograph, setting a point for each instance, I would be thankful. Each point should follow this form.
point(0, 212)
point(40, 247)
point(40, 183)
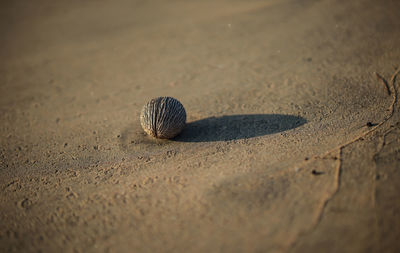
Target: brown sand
point(293, 142)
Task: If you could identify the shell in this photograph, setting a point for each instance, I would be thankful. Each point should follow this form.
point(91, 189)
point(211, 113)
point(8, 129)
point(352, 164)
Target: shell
point(163, 117)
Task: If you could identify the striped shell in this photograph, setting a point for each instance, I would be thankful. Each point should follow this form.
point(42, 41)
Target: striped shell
point(163, 117)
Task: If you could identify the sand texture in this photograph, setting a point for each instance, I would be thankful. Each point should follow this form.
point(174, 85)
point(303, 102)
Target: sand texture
point(292, 142)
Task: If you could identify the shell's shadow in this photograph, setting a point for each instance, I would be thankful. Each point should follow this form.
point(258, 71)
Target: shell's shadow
point(236, 127)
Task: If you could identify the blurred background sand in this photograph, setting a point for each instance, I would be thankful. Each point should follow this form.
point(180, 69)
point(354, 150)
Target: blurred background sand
point(292, 143)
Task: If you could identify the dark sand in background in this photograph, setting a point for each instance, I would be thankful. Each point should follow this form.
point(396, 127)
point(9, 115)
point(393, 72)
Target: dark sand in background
point(278, 155)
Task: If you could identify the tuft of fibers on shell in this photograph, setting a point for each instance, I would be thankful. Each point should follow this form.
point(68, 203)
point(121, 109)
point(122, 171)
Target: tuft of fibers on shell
point(163, 117)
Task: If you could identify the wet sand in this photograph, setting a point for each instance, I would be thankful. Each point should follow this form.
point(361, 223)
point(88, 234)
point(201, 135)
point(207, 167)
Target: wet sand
point(292, 142)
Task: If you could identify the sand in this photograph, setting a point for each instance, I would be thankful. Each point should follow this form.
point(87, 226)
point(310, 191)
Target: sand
point(292, 142)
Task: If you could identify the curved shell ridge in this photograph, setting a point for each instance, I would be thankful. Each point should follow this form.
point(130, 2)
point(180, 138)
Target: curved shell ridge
point(162, 120)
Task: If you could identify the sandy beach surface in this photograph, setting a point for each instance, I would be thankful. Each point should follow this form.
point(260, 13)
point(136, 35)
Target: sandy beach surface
point(292, 142)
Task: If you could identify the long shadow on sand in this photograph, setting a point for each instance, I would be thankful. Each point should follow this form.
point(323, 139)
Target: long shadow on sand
point(236, 127)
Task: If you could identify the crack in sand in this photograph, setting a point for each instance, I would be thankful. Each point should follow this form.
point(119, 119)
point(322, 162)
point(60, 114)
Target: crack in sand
point(384, 83)
point(338, 172)
point(374, 128)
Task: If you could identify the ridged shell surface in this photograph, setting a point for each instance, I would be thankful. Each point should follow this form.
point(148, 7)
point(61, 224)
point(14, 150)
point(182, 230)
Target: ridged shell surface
point(163, 117)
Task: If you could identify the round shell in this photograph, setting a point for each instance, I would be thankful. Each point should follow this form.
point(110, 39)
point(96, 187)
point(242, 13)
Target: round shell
point(163, 117)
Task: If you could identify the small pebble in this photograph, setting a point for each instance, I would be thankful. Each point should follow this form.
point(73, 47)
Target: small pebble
point(163, 117)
